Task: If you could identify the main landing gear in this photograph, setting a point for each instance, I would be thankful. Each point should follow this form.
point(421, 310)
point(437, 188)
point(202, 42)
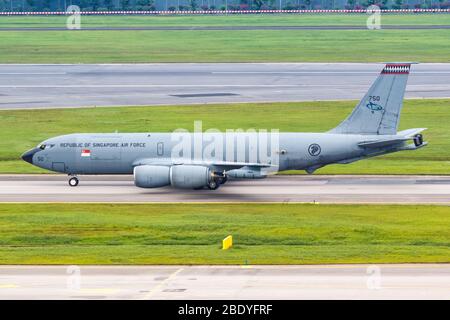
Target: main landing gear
point(213, 184)
point(223, 179)
point(217, 180)
point(73, 182)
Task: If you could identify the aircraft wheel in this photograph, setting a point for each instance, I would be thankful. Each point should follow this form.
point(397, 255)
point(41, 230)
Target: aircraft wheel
point(213, 185)
point(73, 182)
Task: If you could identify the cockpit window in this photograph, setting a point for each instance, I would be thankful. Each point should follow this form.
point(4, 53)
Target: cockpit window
point(44, 146)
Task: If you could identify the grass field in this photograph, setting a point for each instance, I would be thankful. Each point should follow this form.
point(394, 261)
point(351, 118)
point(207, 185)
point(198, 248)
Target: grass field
point(224, 46)
point(192, 234)
point(226, 20)
point(23, 129)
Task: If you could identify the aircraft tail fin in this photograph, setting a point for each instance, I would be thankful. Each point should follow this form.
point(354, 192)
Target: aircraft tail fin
point(378, 113)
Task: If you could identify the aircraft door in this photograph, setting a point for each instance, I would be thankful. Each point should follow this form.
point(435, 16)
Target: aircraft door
point(160, 148)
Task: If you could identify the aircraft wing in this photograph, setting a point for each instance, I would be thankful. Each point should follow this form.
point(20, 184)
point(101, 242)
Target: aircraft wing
point(226, 165)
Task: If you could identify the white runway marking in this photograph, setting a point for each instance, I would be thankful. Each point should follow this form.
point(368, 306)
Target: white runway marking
point(33, 73)
point(164, 86)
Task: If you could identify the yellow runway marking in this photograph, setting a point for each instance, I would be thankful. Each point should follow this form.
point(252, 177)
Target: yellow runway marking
point(8, 286)
point(161, 284)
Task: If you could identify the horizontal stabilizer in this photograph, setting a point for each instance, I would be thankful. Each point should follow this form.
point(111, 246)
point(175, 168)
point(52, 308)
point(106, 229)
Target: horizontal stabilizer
point(381, 143)
point(409, 133)
point(412, 146)
point(401, 137)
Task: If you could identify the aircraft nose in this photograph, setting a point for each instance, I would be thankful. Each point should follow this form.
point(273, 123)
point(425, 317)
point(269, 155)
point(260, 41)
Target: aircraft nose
point(28, 156)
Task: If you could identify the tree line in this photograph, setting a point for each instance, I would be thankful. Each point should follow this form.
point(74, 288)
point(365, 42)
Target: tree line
point(172, 5)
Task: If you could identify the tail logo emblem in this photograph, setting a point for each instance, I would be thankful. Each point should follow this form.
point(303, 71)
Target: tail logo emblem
point(314, 149)
point(374, 107)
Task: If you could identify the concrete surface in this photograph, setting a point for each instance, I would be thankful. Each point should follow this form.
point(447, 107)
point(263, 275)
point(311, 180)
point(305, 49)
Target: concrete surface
point(323, 189)
point(405, 281)
point(44, 86)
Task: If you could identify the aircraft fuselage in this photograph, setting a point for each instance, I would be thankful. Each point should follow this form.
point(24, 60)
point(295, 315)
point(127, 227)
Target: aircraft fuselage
point(119, 153)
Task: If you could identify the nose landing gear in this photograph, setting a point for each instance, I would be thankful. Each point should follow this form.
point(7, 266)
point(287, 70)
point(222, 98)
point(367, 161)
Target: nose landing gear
point(73, 182)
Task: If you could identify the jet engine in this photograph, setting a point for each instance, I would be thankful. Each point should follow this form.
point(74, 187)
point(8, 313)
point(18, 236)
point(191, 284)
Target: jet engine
point(190, 177)
point(151, 176)
point(179, 176)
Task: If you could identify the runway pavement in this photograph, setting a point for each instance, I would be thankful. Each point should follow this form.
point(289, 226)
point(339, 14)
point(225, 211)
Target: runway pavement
point(322, 189)
point(50, 86)
point(406, 281)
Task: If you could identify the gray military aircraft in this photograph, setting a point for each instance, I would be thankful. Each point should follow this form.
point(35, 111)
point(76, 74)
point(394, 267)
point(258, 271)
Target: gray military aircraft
point(199, 160)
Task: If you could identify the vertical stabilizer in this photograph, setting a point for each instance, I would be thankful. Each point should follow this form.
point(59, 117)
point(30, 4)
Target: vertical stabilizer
point(379, 111)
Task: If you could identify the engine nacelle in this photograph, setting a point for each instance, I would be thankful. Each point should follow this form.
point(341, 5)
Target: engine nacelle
point(181, 176)
point(151, 176)
point(189, 177)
